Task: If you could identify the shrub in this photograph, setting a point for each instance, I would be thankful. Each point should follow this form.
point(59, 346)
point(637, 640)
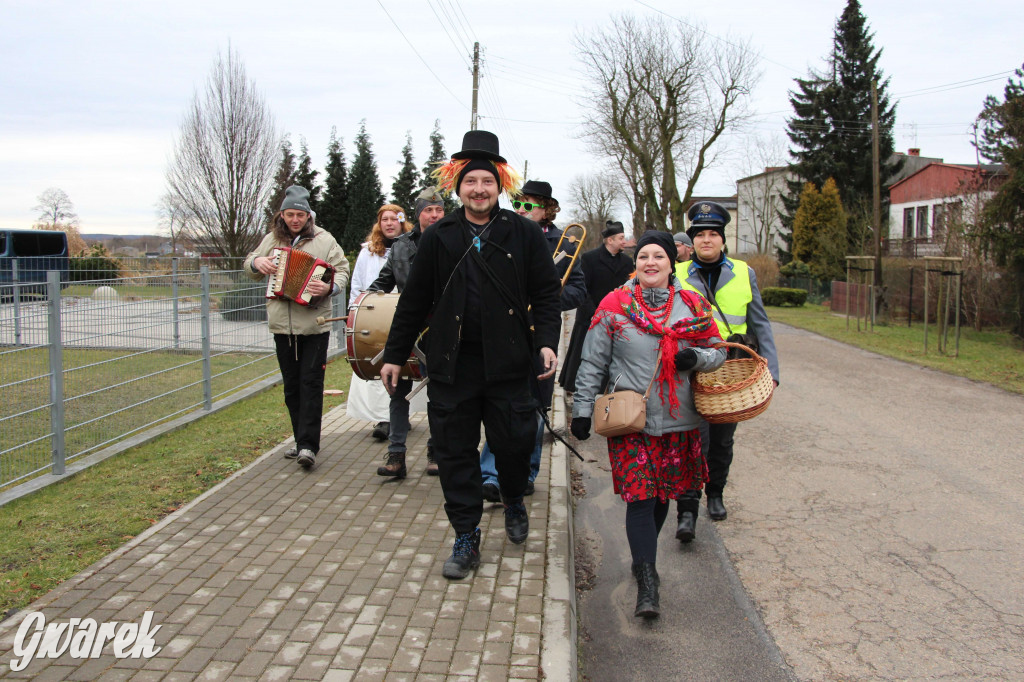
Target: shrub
point(781, 296)
point(246, 301)
point(796, 268)
point(96, 263)
point(765, 267)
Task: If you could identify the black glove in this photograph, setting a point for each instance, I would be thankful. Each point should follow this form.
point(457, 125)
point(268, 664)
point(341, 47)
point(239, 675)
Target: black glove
point(580, 427)
point(686, 359)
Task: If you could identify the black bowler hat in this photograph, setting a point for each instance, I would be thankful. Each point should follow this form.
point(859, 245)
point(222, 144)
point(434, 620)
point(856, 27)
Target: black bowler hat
point(536, 188)
point(707, 215)
point(479, 144)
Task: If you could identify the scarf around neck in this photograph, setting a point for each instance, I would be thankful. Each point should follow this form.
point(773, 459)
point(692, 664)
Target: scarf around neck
point(697, 330)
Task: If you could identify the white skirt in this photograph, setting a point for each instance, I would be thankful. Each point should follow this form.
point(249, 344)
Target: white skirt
point(370, 401)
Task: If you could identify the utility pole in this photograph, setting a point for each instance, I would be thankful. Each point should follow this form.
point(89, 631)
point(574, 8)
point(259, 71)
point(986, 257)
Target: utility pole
point(876, 193)
point(476, 82)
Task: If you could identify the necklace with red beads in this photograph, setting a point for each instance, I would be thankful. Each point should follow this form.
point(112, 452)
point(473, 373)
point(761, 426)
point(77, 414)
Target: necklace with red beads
point(655, 314)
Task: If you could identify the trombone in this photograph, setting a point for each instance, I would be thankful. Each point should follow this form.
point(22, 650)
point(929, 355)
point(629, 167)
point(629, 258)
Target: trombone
point(576, 238)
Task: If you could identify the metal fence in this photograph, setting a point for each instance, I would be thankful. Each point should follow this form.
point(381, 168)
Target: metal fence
point(85, 364)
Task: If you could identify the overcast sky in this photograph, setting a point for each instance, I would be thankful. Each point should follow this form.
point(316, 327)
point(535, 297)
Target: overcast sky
point(93, 92)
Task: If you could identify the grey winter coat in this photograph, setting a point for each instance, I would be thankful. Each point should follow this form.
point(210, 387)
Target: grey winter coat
point(626, 358)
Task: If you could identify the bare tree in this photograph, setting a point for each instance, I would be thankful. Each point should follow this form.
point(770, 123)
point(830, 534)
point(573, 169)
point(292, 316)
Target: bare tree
point(55, 208)
point(224, 161)
point(662, 97)
point(594, 198)
point(173, 217)
point(759, 199)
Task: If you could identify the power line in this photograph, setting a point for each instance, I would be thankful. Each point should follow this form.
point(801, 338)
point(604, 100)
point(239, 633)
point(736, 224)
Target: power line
point(416, 52)
point(445, 29)
point(719, 38)
point(957, 87)
point(970, 81)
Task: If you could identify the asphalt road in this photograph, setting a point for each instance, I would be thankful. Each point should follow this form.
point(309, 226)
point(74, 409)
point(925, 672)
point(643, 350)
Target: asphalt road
point(874, 526)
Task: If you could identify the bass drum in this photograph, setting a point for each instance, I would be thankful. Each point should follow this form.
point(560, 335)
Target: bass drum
point(366, 333)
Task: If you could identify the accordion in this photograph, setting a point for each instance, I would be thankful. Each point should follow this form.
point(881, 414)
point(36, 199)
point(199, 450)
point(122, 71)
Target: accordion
point(294, 271)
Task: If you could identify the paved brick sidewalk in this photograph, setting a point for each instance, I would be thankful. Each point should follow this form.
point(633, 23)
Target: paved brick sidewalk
point(333, 574)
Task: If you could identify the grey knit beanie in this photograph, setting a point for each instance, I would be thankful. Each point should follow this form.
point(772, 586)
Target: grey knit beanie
point(296, 197)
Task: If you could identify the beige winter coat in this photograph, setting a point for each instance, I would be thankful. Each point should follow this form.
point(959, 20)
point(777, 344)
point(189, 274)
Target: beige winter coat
point(286, 317)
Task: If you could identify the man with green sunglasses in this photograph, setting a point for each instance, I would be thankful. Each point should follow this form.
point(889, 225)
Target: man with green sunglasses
point(537, 204)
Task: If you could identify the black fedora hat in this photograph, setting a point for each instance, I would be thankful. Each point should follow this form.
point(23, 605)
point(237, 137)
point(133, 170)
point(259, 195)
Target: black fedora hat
point(537, 188)
point(479, 144)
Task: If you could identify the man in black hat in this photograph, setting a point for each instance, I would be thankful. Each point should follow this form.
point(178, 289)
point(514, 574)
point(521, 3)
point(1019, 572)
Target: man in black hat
point(731, 287)
point(395, 273)
point(476, 273)
point(604, 268)
point(537, 204)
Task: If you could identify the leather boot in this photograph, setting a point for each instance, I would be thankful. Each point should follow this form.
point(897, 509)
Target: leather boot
point(716, 508)
point(647, 583)
point(686, 531)
point(395, 466)
point(431, 462)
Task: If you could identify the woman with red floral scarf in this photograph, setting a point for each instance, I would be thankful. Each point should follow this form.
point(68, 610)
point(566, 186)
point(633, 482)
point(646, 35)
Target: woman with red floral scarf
point(650, 316)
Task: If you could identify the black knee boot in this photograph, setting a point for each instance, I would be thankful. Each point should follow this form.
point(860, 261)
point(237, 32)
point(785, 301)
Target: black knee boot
point(647, 583)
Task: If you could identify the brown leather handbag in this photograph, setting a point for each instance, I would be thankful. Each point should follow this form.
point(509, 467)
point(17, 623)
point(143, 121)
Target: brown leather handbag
point(621, 412)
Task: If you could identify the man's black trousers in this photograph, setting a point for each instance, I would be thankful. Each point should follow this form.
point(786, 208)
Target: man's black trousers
point(716, 441)
point(303, 359)
point(506, 409)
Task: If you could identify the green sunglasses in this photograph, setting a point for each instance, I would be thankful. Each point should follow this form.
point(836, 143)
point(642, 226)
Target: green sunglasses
point(525, 205)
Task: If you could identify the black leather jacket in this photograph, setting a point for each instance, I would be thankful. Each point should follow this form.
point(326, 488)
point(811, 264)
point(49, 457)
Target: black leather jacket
point(399, 261)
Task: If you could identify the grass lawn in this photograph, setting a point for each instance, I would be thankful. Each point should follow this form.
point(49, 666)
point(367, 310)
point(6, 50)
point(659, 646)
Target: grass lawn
point(50, 535)
point(995, 357)
point(107, 393)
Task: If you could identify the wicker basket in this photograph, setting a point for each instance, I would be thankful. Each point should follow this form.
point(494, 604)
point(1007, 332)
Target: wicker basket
point(736, 391)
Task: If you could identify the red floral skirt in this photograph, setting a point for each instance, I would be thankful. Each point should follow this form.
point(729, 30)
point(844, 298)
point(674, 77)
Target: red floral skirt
point(666, 466)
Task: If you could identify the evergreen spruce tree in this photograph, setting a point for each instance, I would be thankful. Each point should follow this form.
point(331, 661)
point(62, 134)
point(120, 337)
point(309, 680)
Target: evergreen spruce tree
point(819, 231)
point(437, 157)
point(306, 177)
point(830, 131)
point(364, 194)
point(1002, 223)
point(403, 189)
point(333, 212)
point(284, 179)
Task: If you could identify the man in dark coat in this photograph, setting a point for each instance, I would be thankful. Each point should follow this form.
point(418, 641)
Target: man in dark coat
point(395, 274)
point(476, 274)
point(604, 269)
point(537, 204)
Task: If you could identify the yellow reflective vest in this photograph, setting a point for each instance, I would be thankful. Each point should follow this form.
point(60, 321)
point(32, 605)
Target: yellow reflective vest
point(733, 294)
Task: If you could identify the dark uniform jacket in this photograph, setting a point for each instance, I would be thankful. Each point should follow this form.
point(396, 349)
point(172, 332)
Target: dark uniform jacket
point(602, 272)
point(574, 293)
point(514, 250)
point(396, 268)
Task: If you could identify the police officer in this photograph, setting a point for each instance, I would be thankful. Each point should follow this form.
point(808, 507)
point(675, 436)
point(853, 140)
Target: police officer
point(731, 287)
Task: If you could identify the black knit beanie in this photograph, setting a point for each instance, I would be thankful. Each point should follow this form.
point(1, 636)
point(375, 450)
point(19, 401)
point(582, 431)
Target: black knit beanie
point(477, 164)
point(662, 239)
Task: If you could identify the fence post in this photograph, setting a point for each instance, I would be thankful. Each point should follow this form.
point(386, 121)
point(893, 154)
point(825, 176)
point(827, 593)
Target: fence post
point(56, 372)
point(174, 302)
point(17, 301)
point(204, 277)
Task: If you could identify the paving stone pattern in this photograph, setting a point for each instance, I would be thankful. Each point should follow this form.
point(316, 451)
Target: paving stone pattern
point(333, 574)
